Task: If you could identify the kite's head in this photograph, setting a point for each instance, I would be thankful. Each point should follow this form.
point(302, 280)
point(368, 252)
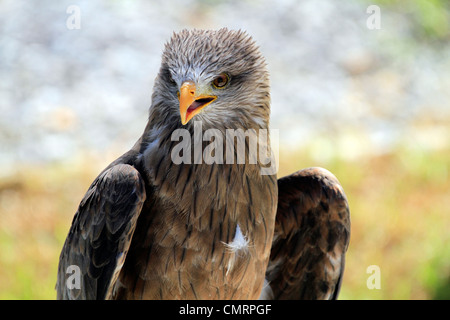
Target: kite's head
point(216, 76)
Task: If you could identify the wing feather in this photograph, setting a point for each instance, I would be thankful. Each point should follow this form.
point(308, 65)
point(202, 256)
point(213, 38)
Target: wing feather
point(101, 232)
point(311, 236)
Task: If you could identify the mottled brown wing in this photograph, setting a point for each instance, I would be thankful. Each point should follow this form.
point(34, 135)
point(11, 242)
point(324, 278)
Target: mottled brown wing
point(311, 236)
point(100, 235)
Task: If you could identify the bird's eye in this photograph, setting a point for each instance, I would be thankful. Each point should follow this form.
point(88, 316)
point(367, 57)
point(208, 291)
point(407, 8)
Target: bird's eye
point(221, 81)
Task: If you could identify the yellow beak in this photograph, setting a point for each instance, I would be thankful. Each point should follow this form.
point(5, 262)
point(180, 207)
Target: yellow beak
point(191, 103)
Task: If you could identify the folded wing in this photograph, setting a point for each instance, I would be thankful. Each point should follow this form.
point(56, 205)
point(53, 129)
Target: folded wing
point(311, 237)
point(100, 235)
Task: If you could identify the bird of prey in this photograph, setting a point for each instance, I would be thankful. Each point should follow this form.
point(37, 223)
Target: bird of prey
point(153, 227)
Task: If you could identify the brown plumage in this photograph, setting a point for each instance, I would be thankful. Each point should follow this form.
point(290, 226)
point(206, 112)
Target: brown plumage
point(150, 227)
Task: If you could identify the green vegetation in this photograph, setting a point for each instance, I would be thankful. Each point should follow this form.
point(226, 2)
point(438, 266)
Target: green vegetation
point(431, 18)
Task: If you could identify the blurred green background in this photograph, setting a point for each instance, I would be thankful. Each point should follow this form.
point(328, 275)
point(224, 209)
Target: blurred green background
point(370, 105)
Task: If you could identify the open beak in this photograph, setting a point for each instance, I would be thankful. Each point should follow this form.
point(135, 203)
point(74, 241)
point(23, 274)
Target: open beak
point(190, 102)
